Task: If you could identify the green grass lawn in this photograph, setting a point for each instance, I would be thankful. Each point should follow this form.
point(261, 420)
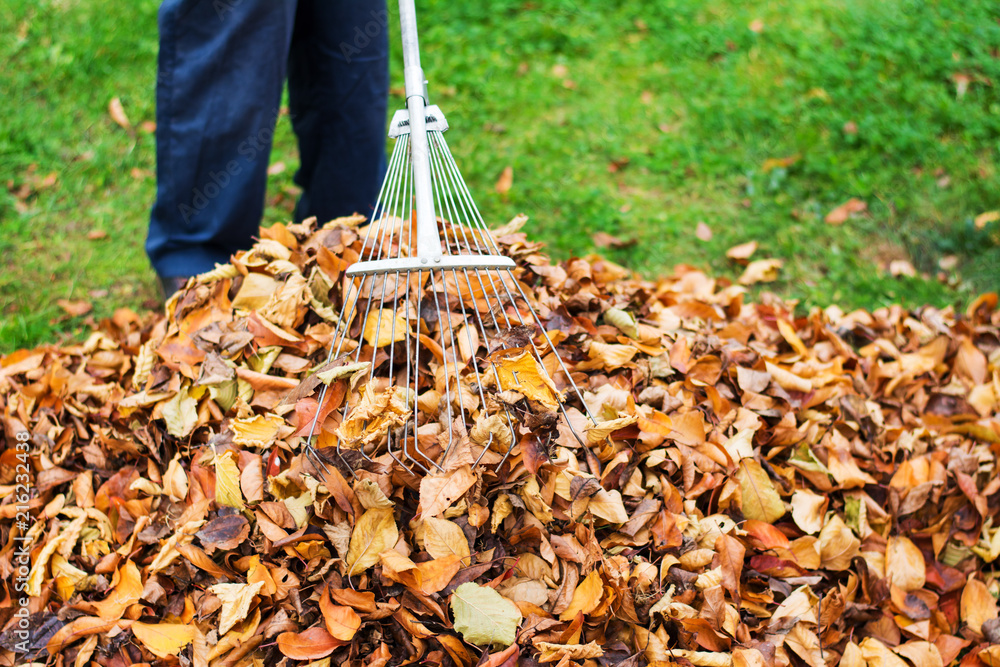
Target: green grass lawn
point(638, 119)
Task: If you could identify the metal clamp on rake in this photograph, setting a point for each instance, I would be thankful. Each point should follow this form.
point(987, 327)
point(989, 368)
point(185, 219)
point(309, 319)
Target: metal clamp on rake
point(419, 307)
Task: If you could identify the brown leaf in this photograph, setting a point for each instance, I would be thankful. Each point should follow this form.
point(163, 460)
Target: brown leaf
point(117, 113)
point(75, 308)
point(729, 556)
point(505, 181)
point(840, 215)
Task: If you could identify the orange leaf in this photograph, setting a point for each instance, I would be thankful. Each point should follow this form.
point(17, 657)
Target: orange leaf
point(341, 622)
point(310, 644)
point(505, 181)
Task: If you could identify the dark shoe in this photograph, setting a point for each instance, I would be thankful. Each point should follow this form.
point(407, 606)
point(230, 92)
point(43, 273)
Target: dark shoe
point(168, 286)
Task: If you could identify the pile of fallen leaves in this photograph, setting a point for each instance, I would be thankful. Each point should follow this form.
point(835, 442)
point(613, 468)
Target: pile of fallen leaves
point(773, 489)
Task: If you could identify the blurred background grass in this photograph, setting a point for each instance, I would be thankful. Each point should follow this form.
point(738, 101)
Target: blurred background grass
point(632, 118)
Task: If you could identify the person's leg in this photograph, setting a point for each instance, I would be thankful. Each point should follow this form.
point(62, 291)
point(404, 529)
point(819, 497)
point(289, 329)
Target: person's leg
point(221, 70)
point(338, 88)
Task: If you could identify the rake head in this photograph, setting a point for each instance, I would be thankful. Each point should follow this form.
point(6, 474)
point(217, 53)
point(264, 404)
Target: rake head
point(439, 358)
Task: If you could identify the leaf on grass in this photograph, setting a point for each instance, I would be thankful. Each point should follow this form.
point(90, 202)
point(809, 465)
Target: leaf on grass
point(839, 215)
point(505, 181)
point(117, 113)
point(75, 308)
point(164, 640)
point(986, 218)
point(761, 501)
point(742, 252)
point(761, 271)
point(374, 533)
point(484, 617)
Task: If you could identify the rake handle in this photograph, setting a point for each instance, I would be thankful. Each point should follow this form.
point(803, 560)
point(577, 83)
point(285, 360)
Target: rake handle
point(428, 239)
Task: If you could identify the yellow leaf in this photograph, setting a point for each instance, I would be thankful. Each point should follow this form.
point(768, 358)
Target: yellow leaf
point(518, 370)
point(236, 600)
point(877, 654)
point(370, 495)
point(385, 327)
point(227, 481)
point(807, 511)
point(444, 538)
point(374, 533)
point(761, 501)
point(608, 356)
point(586, 597)
point(255, 292)
point(761, 271)
point(256, 431)
point(598, 432)
point(164, 640)
point(180, 413)
point(977, 605)
point(484, 617)
point(608, 505)
point(837, 545)
point(623, 321)
point(904, 564)
point(175, 481)
point(984, 219)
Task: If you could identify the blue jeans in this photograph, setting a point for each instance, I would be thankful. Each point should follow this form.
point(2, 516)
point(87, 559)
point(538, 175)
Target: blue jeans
point(222, 65)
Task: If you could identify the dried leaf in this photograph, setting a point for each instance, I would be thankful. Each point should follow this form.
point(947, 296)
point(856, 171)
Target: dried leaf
point(164, 640)
point(374, 533)
point(312, 644)
point(484, 617)
point(236, 601)
point(761, 501)
point(761, 271)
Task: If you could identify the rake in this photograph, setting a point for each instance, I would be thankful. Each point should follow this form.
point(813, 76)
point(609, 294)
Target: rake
point(429, 293)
